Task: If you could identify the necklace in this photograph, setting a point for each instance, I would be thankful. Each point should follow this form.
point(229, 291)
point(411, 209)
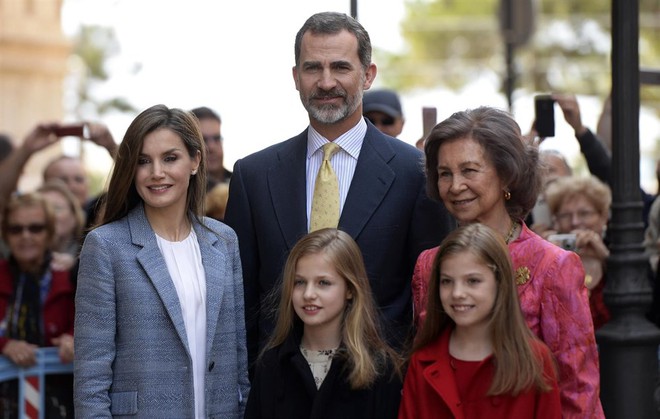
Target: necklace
point(511, 232)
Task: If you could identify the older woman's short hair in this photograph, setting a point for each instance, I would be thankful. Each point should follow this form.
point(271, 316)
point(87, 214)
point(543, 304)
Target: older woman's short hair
point(567, 188)
point(498, 134)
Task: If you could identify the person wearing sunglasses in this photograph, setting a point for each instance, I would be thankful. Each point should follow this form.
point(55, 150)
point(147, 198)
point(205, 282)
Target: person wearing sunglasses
point(382, 108)
point(36, 301)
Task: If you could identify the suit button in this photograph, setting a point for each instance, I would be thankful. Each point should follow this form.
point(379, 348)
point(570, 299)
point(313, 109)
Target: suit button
point(211, 366)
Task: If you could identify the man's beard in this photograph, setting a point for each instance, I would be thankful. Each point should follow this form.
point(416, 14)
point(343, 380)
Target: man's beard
point(330, 114)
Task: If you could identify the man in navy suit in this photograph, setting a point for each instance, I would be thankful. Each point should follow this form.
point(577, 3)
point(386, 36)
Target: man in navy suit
point(383, 203)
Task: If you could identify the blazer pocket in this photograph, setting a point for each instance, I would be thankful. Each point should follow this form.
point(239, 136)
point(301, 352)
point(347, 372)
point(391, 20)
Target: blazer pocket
point(123, 403)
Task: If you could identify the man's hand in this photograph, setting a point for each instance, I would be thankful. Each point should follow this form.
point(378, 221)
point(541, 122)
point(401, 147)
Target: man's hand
point(571, 109)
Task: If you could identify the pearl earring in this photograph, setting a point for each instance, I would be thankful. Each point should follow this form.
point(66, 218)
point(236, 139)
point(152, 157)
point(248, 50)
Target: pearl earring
point(194, 172)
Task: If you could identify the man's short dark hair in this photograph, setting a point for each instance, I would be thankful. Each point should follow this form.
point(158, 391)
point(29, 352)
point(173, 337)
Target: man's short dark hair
point(206, 113)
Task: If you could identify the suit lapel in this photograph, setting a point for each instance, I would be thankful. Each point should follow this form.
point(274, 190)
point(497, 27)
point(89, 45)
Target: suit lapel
point(372, 179)
point(286, 184)
point(155, 267)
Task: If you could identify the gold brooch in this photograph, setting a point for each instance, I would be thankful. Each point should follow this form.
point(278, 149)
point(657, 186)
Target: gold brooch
point(522, 275)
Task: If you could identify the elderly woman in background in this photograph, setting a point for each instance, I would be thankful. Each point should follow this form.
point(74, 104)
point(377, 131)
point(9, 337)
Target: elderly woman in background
point(69, 224)
point(69, 217)
point(479, 166)
point(580, 206)
point(36, 302)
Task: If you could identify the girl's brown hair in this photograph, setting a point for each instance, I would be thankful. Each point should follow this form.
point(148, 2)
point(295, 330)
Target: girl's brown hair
point(517, 366)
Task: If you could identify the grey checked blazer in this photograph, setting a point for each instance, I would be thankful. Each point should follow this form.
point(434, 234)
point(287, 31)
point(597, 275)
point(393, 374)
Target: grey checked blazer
point(131, 351)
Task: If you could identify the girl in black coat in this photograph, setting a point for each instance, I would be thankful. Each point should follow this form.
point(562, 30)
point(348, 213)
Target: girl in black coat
point(326, 357)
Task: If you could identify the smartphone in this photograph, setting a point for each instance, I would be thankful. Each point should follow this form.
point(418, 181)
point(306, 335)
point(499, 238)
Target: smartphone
point(71, 130)
point(544, 110)
point(565, 241)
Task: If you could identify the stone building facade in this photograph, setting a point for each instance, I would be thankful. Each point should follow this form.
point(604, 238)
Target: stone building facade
point(33, 66)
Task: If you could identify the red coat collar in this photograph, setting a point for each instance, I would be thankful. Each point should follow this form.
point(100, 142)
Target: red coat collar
point(438, 373)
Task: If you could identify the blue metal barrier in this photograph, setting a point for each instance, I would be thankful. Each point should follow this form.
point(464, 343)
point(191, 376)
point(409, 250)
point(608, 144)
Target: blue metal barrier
point(31, 381)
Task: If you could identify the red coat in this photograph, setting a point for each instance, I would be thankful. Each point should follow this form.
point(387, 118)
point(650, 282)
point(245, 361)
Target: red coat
point(555, 304)
point(430, 389)
point(58, 309)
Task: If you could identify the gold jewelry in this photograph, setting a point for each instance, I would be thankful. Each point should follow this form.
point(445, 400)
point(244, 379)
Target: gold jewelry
point(511, 232)
point(522, 275)
point(507, 195)
point(588, 279)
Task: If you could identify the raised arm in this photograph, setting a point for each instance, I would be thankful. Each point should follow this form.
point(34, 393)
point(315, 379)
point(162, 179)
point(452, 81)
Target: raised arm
point(12, 167)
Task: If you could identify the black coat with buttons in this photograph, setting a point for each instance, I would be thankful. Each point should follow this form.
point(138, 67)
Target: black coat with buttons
point(283, 387)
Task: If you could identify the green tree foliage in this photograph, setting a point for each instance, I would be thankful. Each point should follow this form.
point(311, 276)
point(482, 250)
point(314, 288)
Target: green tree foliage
point(93, 46)
point(452, 42)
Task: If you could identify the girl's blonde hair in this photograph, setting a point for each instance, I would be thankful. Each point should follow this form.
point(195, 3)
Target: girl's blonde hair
point(518, 366)
point(365, 352)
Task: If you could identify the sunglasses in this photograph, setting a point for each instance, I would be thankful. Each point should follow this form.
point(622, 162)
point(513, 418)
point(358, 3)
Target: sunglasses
point(387, 121)
point(16, 229)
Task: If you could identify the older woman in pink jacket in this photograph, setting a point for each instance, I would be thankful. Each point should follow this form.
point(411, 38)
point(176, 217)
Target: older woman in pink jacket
point(479, 166)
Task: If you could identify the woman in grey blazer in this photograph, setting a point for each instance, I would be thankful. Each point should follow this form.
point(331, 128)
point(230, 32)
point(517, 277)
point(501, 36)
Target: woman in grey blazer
point(159, 326)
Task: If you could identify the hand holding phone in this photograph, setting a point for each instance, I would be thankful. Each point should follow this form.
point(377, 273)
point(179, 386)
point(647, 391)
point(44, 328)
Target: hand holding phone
point(565, 241)
point(544, 110)
point(71, 130)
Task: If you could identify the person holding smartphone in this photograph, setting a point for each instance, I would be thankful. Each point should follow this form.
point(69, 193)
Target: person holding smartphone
point(580, 208)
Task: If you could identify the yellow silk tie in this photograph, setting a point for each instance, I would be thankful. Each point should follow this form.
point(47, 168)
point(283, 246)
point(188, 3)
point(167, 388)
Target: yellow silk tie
point(325, 203)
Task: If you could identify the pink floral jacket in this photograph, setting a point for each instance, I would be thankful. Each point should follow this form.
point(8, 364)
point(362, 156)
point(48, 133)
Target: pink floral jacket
point(555, 304)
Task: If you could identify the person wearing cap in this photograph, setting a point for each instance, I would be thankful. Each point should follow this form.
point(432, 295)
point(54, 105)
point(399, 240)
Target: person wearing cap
point(383, 108)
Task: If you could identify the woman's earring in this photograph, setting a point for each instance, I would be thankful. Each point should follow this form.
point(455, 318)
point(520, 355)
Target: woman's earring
point(194, 172)
point(507, 195)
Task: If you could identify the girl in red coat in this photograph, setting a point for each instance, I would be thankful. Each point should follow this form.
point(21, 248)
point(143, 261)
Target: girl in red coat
point(326, 358)
point(475, 357)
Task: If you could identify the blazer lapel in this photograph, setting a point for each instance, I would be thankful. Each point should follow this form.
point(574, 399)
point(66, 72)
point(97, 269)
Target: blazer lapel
point(215, 264)
point(155, 267)
point(372, 179)
point(286, 184)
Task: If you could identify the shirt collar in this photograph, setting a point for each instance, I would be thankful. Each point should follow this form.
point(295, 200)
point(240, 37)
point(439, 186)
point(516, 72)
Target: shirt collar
point(350, 141)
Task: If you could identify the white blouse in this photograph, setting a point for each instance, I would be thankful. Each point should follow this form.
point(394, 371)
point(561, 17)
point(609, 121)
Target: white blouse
point(184, 263)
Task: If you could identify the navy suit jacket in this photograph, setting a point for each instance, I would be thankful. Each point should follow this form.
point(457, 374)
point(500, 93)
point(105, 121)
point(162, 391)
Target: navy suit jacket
point(386, 211)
